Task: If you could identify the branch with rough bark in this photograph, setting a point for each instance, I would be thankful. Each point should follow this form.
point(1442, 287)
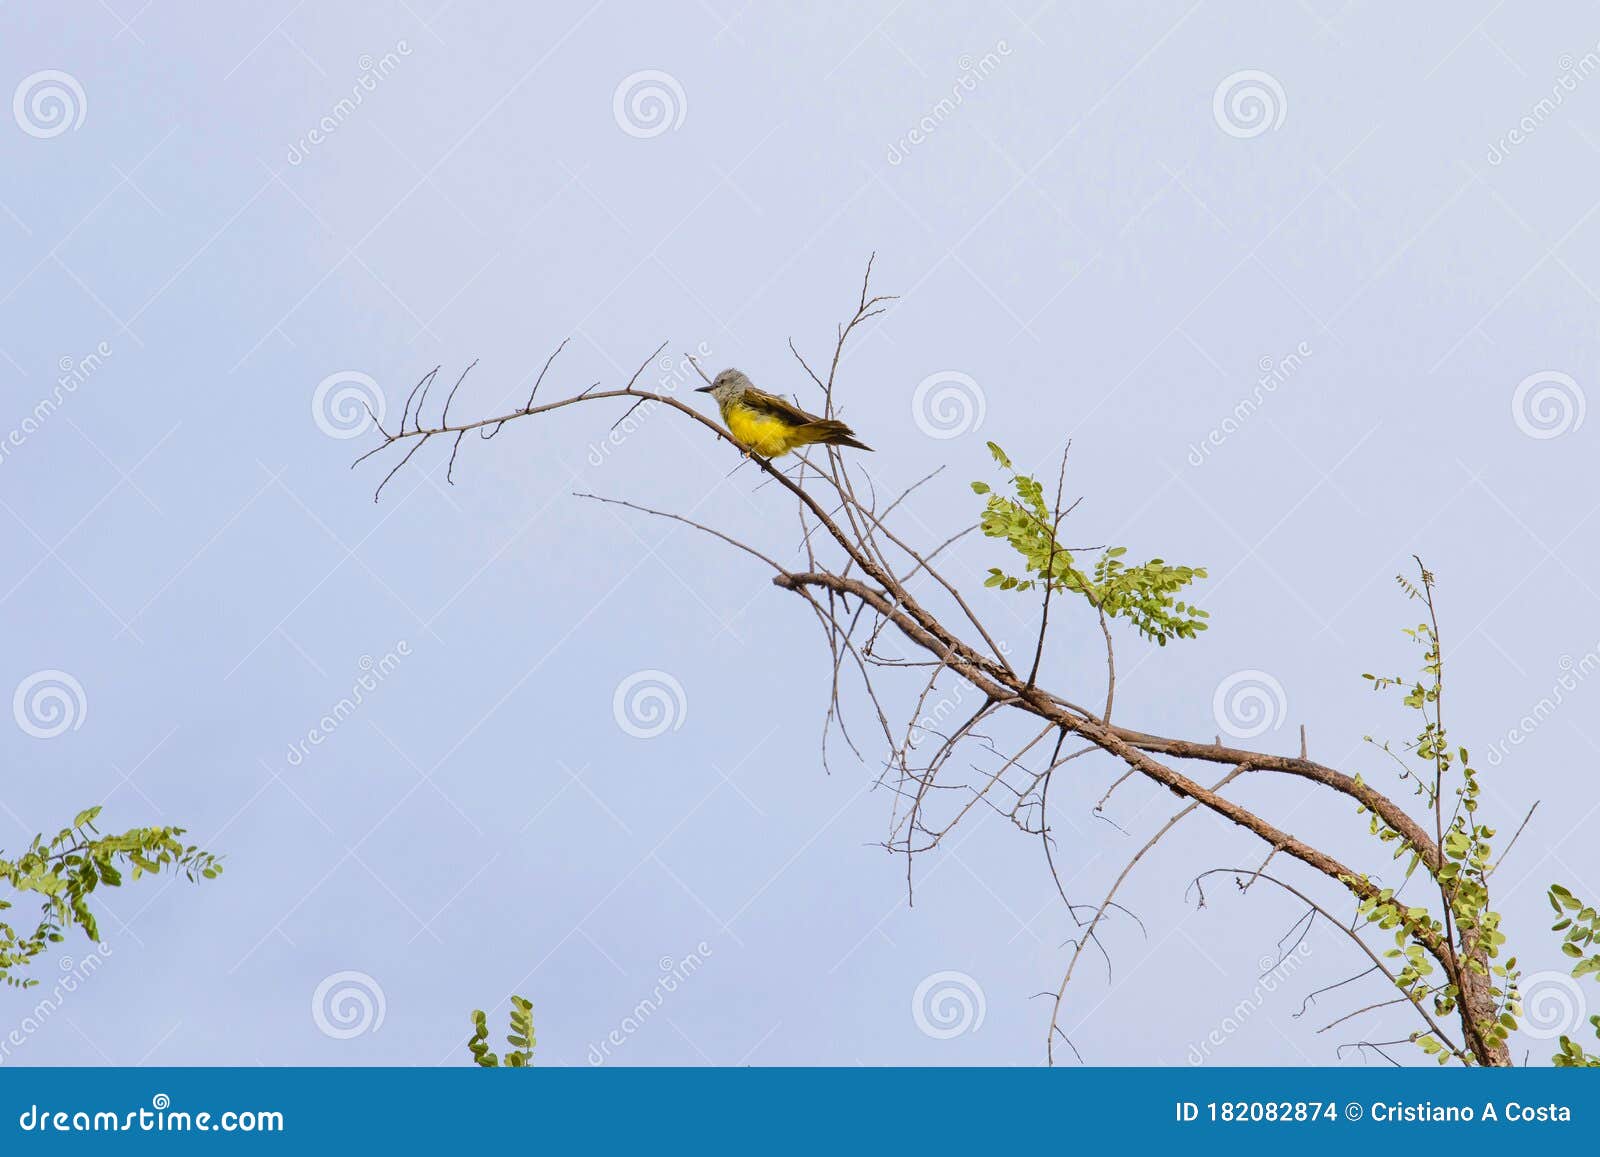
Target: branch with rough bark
point(876, 596)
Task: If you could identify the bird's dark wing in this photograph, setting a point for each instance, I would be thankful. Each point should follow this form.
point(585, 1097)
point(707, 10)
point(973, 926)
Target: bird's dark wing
point(776, 406)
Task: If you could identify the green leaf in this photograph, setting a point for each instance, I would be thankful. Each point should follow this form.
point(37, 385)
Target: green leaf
point(520, 1038)
point(66, 871)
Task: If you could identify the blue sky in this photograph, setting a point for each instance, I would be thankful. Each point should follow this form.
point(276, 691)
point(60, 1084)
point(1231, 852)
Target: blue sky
point(1091, 239)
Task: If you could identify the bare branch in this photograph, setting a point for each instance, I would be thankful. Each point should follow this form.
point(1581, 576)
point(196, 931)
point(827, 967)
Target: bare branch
point(858, 562)
point(1094, 924)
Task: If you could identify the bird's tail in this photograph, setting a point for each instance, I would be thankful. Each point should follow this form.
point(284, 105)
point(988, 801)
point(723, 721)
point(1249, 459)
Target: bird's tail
point(830, 432)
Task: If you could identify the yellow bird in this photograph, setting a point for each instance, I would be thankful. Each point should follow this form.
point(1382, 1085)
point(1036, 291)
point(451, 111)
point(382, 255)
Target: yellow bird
point(769, 426)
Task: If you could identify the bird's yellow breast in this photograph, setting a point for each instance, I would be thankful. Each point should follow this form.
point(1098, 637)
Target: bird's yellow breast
point(764, 433)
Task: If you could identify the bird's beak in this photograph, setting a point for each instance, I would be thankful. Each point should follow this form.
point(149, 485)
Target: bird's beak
point(704, 389)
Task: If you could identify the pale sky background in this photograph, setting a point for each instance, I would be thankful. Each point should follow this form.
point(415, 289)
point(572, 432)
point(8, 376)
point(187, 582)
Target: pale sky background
point(1082, 237)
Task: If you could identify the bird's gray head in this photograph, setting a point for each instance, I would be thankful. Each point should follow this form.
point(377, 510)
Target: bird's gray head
point(727, 385)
